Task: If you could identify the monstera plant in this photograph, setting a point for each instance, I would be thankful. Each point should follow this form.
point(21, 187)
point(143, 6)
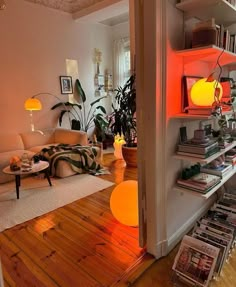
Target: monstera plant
point(94, 117)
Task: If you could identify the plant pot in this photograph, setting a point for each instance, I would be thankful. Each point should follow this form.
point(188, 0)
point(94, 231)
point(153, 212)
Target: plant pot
point(130, 155)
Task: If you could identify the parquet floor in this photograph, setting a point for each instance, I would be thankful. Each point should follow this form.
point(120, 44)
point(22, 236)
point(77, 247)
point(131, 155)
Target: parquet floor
point(78, 245)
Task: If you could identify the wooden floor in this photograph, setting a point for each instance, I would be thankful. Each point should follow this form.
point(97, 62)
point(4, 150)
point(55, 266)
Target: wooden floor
point(80, 244)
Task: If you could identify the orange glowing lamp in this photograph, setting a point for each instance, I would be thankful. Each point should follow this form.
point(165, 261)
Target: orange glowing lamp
point(124, 202)
point(204, 92)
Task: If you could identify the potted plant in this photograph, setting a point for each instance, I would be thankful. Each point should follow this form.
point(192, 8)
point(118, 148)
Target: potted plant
point(123, 119)
point(82, 120)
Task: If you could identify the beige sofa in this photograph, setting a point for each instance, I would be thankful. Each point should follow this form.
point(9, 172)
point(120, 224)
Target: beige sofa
point(33, 142)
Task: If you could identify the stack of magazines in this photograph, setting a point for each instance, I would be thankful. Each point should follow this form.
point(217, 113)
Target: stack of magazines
point(202, 255)
point(202, 149)
point(201, 182)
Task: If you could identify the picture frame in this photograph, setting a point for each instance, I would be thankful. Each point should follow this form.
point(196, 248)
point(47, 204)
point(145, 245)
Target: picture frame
point(66, 84)
point(187, 83)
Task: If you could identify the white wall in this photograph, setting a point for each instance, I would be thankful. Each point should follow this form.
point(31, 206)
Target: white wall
point(120, 31)
point(35, 43)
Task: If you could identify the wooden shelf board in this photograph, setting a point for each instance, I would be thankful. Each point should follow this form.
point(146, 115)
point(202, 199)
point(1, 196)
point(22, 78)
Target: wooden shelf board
point(223, 12)
point(205, 160)
point(198, 117)
point(208, 53)
point(212, 191)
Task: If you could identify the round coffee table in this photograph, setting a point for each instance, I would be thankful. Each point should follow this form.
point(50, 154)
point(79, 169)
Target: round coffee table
point(36, 167)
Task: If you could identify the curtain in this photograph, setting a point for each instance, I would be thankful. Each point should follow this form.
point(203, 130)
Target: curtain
point(119, 61)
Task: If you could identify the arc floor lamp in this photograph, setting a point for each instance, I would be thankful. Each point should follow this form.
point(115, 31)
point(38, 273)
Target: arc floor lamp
point(34, 104)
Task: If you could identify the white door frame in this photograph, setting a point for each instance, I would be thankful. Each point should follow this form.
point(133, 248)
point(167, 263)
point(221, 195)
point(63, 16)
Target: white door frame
point(150, 51)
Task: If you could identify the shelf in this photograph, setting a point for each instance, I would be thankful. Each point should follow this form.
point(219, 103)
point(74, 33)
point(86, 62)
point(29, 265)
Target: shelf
point(205, 160)
point(198, 117)
point(212, 191)
point(208, 54)
point(223, 12)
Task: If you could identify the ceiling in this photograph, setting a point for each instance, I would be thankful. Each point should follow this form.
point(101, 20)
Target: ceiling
point(106, 12)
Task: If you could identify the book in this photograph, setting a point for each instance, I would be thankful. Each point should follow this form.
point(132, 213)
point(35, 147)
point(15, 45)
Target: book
point(205, 178)
point(220, 170)
point(196, 260)
point(192, 142)
point(194, 148)
point(206, 155)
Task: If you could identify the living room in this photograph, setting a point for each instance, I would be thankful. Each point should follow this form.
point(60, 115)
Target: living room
point(28, 71)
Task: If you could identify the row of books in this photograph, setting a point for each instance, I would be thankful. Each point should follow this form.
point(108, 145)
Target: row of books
point(202, 255)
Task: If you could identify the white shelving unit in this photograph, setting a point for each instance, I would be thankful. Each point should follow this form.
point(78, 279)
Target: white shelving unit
point(223, 12)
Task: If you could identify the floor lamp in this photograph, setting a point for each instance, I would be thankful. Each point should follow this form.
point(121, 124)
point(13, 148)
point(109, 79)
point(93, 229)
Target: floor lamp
point(34, 104)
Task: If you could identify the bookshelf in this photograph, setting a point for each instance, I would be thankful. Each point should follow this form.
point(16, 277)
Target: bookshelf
point(223, 12)
point(212, 191)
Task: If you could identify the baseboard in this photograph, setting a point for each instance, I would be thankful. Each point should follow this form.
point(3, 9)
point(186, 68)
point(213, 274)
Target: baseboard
point(175, 238)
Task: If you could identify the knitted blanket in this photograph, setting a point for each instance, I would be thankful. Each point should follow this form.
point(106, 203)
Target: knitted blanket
point(81, 158)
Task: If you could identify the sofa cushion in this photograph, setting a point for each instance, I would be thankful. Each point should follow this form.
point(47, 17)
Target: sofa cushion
point(71, 137)
point(38, 148)
point(5, 161)
point(35, 138)
point(10, 142)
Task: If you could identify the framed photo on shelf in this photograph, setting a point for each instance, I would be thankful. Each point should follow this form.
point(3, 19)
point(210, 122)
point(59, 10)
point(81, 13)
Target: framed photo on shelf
point(66, 84)
point(187, 83)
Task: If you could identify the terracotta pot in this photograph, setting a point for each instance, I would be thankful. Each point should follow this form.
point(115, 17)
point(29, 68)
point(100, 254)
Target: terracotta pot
point(130, 155)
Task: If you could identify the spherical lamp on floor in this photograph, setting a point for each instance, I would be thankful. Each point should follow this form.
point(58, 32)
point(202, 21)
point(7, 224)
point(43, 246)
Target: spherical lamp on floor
point(124, 202)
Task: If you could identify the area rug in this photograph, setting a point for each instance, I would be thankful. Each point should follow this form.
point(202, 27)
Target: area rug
point(37, 197)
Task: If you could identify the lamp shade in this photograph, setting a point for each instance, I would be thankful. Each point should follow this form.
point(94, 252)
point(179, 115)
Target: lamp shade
point(33, 104)
point(124, 202)
point(203, 92)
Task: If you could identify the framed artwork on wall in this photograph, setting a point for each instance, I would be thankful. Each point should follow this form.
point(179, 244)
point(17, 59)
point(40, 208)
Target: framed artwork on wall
point(66, 84)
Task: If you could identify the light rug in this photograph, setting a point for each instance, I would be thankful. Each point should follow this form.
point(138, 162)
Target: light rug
point(37, 197)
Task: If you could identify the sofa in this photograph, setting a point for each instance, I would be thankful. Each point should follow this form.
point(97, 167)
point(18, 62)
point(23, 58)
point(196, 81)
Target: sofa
point(33, 142)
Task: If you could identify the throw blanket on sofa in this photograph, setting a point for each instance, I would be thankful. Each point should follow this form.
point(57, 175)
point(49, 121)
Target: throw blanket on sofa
point(81, 158)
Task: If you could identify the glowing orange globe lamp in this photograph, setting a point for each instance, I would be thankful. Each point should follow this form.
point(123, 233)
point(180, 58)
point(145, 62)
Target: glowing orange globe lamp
point(203, 92)
point(124, 202)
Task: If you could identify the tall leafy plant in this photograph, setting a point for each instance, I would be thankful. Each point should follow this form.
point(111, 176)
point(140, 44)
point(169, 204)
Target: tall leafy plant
point(123, 117)
point(82, 119)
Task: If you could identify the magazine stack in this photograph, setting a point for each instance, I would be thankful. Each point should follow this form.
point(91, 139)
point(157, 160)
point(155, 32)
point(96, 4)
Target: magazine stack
point(202, 255)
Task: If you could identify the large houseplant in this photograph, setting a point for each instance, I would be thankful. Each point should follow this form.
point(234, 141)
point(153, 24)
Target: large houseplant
point(123, 119)
point(82, 119)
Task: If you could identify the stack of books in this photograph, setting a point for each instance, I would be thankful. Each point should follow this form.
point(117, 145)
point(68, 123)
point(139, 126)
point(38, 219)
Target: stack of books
point(230, 157)
point(221, 170)
point(198, 150)
point(202, 182)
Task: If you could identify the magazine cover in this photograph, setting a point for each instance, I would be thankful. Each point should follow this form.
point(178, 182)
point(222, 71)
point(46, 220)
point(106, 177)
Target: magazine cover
point(220, 226)
point(222, 252)
point(214, 237)
point(223, 214)
point(218, 232)
point(194, 263)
